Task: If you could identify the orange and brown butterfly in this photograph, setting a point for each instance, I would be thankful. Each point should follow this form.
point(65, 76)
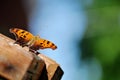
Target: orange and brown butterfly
point(25, 38)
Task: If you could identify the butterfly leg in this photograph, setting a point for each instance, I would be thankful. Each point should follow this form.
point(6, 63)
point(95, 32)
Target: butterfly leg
point(31, 50)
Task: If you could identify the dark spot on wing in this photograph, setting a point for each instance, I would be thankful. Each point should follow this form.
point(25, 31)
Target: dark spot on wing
point(23, 32)
point(16, 30)
point(24, 36)
point(40, 44)
point(52, 45)
point(48, 42)
point(21, 37)
point(44, 41)
point(27, 33)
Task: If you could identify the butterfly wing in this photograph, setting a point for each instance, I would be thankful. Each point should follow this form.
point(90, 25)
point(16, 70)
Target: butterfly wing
point(22, 36)
point(42, 44)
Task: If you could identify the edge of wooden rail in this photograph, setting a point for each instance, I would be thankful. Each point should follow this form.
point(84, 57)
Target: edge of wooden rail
point(18, 63)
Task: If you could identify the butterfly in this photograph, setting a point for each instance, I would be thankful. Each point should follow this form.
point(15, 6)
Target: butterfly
point(25, 38)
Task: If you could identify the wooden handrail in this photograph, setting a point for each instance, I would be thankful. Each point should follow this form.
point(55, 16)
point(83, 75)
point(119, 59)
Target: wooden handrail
point(18, 63)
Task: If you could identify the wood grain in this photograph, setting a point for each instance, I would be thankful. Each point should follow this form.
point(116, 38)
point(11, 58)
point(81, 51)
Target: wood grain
point(17, 63)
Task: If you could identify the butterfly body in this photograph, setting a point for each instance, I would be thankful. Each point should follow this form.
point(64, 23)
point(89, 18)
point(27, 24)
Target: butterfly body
point(25, 38)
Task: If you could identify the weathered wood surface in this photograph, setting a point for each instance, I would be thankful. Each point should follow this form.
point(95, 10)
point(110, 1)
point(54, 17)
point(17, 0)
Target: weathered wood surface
point(18, 63)
point(52, 70)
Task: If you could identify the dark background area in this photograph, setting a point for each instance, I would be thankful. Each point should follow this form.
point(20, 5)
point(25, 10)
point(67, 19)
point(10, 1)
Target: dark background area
point(12, 14)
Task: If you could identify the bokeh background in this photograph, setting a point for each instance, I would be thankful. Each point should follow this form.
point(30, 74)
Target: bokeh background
point(87, 33)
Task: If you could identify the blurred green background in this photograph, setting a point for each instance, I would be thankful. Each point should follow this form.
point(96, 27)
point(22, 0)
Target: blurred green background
point(101, 41)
